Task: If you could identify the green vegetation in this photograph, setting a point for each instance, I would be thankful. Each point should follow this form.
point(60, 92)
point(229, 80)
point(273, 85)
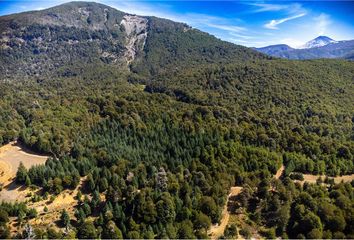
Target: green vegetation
point(211, 115)
point(165, 164)
point(18, 210)
point(292, 211)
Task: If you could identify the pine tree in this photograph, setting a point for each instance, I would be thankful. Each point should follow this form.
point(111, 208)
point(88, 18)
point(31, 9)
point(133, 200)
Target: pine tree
point(21, 174)
point(65, 218)
point(79, 196)
point(111, 231)
point(28, 181)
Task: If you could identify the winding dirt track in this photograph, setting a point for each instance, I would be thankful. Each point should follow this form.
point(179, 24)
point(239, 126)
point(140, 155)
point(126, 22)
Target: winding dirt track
point(217, 230)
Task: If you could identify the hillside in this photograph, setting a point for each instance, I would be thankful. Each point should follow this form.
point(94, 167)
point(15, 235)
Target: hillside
point(41, 42)
point(149, 123)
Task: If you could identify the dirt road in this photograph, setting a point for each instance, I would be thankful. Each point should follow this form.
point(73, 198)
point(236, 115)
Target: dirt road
point(279, 172)
point(217, 230)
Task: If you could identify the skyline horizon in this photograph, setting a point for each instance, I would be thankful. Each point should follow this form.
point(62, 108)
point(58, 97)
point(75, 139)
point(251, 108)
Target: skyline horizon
point(222, 25)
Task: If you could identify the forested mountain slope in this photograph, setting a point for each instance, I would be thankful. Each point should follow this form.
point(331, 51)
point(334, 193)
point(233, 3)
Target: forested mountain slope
point(161, 119)
point(38, 43)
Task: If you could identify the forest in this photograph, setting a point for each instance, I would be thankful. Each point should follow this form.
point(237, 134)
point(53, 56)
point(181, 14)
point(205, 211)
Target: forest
point(316, 211)
point(164, 163)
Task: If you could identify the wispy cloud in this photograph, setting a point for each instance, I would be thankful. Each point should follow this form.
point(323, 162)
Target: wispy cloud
point(290, 8)
point(274, 23)
point(322, 22)
point(230, 28)
point(241, 36)
point(266, 7)
point(246, 42)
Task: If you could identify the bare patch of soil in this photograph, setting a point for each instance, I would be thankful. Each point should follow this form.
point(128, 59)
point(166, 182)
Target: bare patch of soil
point(279, 172)
point(313, 178)
point(10, 157)
point(65, 200)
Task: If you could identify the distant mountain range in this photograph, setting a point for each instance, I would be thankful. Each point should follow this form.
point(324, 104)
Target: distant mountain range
point(320, 47)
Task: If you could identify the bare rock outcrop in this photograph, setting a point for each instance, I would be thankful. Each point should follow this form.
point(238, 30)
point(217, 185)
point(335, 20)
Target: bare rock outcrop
point(136, 34)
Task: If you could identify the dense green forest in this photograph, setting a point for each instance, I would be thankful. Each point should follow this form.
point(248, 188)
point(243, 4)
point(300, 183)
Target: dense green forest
point(165, 162)
point(316, 211)
point(160, 142)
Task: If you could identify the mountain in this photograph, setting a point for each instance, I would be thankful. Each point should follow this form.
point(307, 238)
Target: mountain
point(275, 50)
point(320, 47)
point(318, 42)
point(41, 42)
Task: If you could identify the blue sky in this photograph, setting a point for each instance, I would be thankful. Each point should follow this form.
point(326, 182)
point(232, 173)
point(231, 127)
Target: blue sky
point(248, 23)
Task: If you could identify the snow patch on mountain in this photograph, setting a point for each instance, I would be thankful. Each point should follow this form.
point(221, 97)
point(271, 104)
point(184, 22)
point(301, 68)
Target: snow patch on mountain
point(318, 42)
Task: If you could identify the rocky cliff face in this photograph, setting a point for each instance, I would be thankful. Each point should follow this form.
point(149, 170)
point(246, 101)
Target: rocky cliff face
point(40, 42)
point(136, 33)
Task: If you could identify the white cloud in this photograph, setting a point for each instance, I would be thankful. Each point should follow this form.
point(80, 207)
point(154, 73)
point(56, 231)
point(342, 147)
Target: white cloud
point(292, 8)
point(274, 23)
point(322, 22)
point(247, 42)
point(266, 7)
point(138, 8)
point(237, 40)
point(241, 35)
point(230, 28)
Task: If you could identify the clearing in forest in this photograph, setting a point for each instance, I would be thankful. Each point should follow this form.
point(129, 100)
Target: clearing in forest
point(313, 178)
point(10, 157)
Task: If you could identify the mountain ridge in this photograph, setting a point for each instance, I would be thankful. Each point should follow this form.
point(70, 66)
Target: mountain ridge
point(90, 32)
